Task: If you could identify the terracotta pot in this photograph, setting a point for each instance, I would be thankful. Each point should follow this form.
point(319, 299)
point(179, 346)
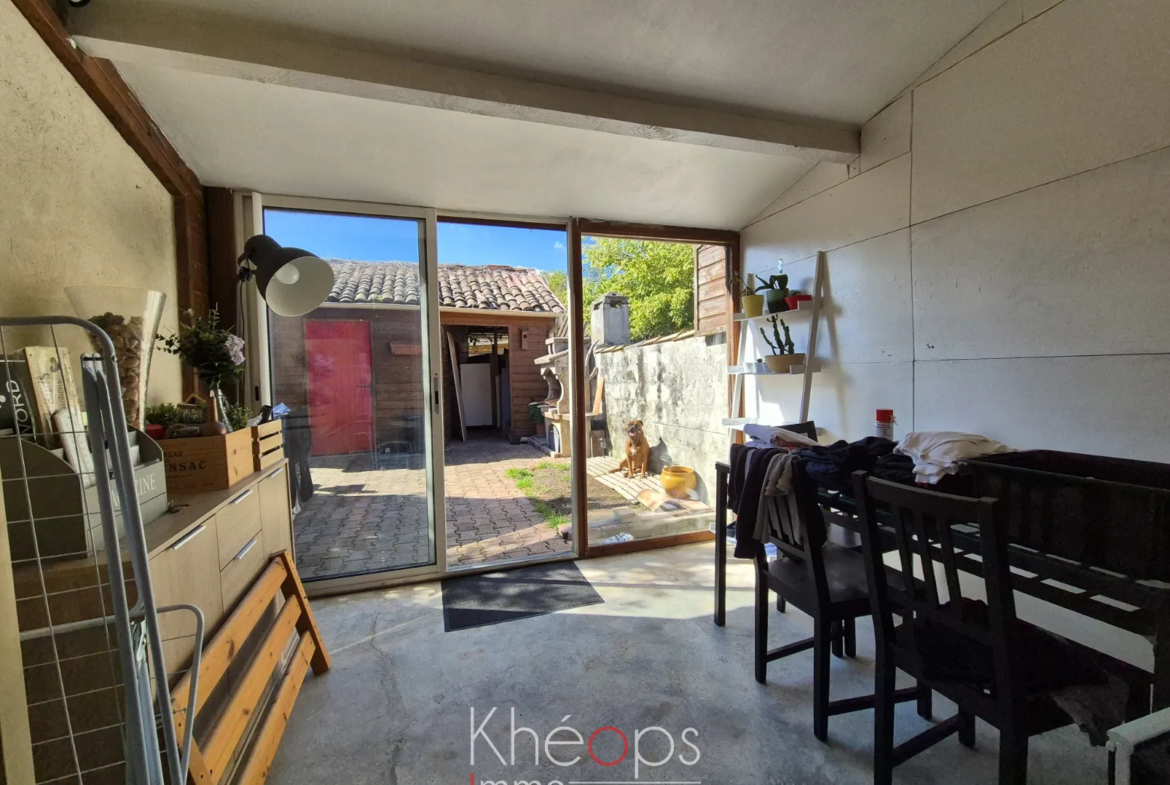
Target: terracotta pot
point(781, 363)
point(794, 300)
point(677, 481)
point(753, 304)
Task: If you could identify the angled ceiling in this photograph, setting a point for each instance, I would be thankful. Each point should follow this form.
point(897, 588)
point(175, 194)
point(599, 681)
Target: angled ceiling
point(819, 65)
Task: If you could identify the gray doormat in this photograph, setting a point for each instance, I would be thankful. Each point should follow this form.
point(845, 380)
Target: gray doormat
point(495, 597)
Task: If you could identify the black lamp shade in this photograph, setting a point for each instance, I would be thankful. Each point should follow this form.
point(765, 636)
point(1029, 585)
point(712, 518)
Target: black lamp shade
point(303, 282)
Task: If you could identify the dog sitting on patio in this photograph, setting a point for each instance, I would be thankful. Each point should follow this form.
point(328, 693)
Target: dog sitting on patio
point(637, 453)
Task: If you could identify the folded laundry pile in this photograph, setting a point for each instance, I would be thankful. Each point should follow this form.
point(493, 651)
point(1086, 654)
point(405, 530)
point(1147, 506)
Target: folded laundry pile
point(937, 454)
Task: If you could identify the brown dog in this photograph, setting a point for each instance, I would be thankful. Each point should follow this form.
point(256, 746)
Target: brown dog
point(637, 451)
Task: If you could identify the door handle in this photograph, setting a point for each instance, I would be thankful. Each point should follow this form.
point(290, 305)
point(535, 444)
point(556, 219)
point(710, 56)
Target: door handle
point(242, 496)
point(244, 551)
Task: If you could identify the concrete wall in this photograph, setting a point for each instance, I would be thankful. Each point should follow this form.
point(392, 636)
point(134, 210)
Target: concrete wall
point(77, 205)
point(678, 389)
point(998, 254)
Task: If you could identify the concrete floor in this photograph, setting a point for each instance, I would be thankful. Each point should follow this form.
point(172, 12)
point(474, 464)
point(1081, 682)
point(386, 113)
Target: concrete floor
point(396, 706)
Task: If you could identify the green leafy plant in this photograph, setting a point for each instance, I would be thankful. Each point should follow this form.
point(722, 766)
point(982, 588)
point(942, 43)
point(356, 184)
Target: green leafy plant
point(164, 414)
point(535, 413)
point(238, 416)
point(783, 344)
point(212, 351)
point(657, 277)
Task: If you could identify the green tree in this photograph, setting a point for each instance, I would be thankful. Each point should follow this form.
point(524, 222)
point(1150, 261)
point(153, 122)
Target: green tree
point(657, 277)
point(558, 282)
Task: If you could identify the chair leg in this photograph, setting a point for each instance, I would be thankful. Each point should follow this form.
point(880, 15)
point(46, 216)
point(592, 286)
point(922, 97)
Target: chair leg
point(1013, 757)
point(883, 719)
point(850, 638)
point(967, 729)
point(837, 632)
point(781, 603)
point(761, 641)
point(822, 635)
point(925, 701)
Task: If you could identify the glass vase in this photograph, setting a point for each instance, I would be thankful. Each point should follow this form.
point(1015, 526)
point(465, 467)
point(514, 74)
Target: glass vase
point(130, 317)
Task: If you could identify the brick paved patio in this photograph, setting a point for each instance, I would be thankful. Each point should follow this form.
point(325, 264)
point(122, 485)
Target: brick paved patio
point(366, 517)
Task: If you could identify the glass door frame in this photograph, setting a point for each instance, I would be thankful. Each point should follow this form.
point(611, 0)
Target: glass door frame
point(249, 215)
point(250, 220)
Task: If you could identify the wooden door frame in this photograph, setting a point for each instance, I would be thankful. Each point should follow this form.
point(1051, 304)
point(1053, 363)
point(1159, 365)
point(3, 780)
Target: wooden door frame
point(579, 228)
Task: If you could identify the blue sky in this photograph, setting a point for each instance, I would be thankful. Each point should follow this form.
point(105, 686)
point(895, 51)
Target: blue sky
point(372, 239)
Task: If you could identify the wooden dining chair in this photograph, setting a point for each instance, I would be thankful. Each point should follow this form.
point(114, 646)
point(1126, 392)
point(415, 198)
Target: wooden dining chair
point(825, 580)
point(977, 654)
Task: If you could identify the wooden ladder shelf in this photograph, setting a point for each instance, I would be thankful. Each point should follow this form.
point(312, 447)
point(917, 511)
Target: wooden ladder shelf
point(210, 762)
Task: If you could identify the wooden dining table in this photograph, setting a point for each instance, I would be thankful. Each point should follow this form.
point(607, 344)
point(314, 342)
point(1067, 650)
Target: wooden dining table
point(1120, 601)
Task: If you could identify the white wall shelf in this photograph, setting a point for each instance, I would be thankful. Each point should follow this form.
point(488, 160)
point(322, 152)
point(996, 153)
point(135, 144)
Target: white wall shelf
point(748, 324)
point(803, 307)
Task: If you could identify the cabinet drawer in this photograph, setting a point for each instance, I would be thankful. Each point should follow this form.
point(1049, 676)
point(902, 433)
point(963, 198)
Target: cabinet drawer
point(185, 573)
point(275, 514)
point(237, 523)
point(241, 571)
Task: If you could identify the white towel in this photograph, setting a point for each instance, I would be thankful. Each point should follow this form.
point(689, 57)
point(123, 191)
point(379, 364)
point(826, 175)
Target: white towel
point(937, 454)
point(777, 437)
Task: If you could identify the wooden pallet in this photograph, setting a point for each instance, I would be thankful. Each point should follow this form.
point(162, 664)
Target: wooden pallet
point(603, 469)
point(210, 761)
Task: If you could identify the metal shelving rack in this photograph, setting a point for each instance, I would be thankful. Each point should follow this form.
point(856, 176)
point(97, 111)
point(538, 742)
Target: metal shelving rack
point(125, 636)
point(740, 369)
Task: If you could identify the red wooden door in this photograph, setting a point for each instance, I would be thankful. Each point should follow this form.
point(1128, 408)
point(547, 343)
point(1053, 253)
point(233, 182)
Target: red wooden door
point(340, 399)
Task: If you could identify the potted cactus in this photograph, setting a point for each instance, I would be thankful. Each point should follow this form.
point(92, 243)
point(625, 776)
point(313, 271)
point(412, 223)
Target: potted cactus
point(784, 354)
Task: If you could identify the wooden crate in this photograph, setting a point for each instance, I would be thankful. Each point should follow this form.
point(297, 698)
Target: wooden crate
point(267, 444)
point(207, 463)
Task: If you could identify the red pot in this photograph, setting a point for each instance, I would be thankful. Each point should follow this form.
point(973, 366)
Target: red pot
point(155, 432)
point(795, 299)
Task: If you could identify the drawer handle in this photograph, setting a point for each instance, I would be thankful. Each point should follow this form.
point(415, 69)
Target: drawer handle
point(189, 536)
point(243, 496)
point(244, 551)
point(278, 471)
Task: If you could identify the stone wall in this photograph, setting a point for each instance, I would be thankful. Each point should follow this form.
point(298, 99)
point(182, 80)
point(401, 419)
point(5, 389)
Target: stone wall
point(677, 387)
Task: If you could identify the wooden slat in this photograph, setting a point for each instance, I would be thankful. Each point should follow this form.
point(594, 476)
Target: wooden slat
point(218, 654)
point(267, 443)
point(229, 729)
point(197, 772)
point(272, 728)
point(307, 622)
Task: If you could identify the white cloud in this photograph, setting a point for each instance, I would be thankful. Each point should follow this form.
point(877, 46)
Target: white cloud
point(559, 245)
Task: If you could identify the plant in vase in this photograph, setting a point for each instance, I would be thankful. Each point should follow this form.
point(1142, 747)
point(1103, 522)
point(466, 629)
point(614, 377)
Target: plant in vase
point(750, 299)
point(784, 354)
point(213, 352)
point(776, 293)
point(537, 416)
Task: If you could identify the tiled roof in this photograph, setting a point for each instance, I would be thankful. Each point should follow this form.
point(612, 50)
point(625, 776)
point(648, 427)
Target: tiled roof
point(491, 287)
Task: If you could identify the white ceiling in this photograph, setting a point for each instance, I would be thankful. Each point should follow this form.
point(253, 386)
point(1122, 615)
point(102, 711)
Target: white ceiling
point(284, 140)
point(829, 60)
point(826, 59)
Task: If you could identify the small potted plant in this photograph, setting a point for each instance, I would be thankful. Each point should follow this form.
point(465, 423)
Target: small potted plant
point(784, 354)
point(213, 352)
point(776, 293)
point(536, 415)
point(750, 299)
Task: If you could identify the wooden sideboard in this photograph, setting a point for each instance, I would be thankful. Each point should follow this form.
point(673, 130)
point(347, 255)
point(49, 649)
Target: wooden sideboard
point(211, 551)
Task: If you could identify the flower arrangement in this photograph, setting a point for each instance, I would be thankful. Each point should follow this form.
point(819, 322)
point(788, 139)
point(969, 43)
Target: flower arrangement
point(213, 352)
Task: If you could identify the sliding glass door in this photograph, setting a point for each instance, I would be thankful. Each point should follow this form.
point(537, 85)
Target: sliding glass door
point(358, 376)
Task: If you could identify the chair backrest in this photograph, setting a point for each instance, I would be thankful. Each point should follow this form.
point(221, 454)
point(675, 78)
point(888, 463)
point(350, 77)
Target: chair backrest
point(808, 429)
point(924, 524)
point(796, 525)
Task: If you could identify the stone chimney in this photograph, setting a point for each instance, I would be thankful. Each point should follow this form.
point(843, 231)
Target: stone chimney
point(611, 320)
